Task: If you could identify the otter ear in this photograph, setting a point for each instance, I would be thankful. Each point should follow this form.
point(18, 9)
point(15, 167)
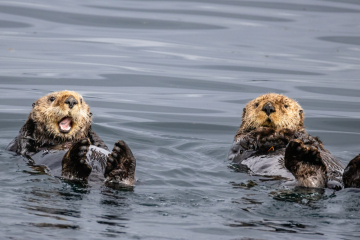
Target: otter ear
point(35, 103)
point(301, 113)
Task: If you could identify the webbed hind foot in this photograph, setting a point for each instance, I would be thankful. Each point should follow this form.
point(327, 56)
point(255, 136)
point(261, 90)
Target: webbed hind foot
point(351, 176)
point(74, 165)
point(120, 166)
point(306, 164)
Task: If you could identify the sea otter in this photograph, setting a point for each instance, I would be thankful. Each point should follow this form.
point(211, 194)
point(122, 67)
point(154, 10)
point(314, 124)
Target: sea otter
point(58, 135)
point(272, 141)
point(351, 176)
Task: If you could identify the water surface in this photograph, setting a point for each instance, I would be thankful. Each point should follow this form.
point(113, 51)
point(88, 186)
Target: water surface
point(171, 78)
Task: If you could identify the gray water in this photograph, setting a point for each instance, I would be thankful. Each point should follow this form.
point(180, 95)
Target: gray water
point(171, 79)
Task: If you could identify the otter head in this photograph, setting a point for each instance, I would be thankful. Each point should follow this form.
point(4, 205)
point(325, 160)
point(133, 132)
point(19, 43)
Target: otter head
point(61, 116)
point(274, 111)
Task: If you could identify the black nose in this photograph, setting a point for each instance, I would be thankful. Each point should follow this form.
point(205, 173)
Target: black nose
point(268, 108)
point(71, 101)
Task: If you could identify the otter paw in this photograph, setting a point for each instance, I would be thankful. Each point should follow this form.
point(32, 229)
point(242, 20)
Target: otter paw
point(100, 145)
point(351, 176)
point(272, 142)
point(120, 166)
point(286, 134)
point(296, 152)
point(306, 164)
point(74, 164)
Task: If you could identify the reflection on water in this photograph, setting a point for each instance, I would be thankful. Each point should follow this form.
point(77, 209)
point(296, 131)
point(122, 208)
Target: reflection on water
point(300, 195)
point(100, 21)
point(279, 227)
point(171, 78)
point(12, 24)
point(199, 13)
point(342, 39)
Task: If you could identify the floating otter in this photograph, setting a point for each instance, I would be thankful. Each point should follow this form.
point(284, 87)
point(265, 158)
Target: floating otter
point(351, 176)
point(58, 135)
point(272, 141)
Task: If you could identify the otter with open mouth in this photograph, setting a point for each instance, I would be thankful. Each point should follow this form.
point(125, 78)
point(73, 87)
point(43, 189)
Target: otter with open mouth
point(272, 141)
point(58, 135)
point(65, 124)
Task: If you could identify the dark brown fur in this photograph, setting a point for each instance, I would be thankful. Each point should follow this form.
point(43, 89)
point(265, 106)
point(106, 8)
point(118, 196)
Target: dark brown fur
point(42, 132)
point(351, 175)
point(41, 129)
point(274, 122)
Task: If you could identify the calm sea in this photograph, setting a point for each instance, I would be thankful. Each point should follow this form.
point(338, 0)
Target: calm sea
point(171, 79)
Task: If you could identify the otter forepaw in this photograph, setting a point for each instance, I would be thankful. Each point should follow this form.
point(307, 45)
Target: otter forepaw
point(120, 166)
point(351, 176)
point(306, 164)
point(286, 134)
point(74, 164)
point(296, 152)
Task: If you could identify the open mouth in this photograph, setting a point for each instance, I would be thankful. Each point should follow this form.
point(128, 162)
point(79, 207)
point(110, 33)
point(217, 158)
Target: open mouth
point(65, 125)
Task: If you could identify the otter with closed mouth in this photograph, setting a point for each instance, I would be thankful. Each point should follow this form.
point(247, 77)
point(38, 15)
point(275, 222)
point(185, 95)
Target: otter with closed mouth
point(272, 141)
point(58, 135)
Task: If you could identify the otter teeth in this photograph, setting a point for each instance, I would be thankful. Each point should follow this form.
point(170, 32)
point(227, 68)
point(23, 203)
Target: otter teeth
point(65, 124)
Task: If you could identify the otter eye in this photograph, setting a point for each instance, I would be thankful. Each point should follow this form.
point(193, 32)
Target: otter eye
point(256, 104)
point(52, 99)
point(81, 100)
point(285, 106)
point(241, 151)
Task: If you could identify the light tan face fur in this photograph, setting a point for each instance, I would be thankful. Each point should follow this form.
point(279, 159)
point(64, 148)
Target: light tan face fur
point(49, 110)
point(287, 113)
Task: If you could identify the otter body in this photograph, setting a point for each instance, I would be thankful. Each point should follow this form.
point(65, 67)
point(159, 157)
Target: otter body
point(272, 141)
point(58, 135)
point(258, 156)
point(351, 176)
point(51, 161)
point(264, 164)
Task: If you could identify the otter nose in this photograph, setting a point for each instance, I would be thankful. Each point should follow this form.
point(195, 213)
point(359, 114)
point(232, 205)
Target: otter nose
point(268, 108)
point(71, 101)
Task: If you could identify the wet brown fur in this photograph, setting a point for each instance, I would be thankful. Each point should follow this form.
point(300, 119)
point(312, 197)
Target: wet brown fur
point(306, 158)
point(47, 114)
point(41, 133)
point(288, 114)
point(311, 176)
point(351, 175)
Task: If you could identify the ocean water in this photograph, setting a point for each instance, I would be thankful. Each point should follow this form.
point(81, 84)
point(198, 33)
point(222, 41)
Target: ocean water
point(171, 78)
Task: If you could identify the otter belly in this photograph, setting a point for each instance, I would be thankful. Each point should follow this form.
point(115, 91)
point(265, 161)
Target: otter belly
point(267, 165)
point(51, 159)
point(263, 164)
point(97, 157)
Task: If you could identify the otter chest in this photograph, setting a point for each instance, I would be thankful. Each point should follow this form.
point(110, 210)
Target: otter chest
point(271, 164)
point(51, 159)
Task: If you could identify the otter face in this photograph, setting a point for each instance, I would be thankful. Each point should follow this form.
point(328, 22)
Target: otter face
point(274, 111)
point(63, 115)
